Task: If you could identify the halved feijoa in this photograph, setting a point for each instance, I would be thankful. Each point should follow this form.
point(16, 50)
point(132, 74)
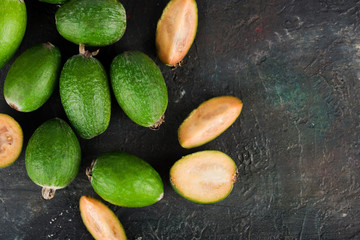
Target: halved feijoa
point(11, 140)
point(204, 177)
point(53, 156)
point(91, 22)
point(176, 30)
point(85, 94)
point(100, 221)
point(125, 180)
point(139, 88)
point(209, 120)
point(12, 28)
point(33, 77)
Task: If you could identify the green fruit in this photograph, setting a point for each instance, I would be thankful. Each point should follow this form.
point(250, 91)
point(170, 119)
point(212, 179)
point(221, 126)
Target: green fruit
point(33, 77)
point(125, 180)
point(85, 95)
point(139, 88)
point(91, 22)
point(12, 28)
point(53, 156)
point(204, 177)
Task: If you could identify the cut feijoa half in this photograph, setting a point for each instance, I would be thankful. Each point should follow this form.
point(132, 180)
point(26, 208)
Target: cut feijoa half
point(11, 140)
point(33, 77)
point(100, 221)
point(176, 30)
point(209, 120)
point(53, 156)
point(125, 180)
point(85, 94)
point(91, 22)
point(12, 28)
point(204, 177)
point(139, 88)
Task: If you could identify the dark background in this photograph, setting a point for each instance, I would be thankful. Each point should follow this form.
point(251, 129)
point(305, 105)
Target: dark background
point(296, 67)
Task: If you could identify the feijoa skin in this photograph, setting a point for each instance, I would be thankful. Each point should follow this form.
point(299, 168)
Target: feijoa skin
point(125, 180)
point(209, 120)
point(85, 95)
point(11, 140)
point(33, 77)
point(12, 28)
point(139, 88)
point(176, 30)
point(53, 156)
point(91, 22)
point(101, 222)
point(204, 177)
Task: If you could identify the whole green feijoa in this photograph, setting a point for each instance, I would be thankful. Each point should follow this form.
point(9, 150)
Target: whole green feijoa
point(125, 180)
point(85, 95)
point(91, 22)
point(139, 88)
point(53, 156)
point(33, 77)
point(12, 28)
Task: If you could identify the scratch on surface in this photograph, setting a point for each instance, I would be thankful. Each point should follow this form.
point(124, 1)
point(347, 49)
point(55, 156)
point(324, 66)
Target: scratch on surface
point(301, 162)
point(153, 231)
point(303, 225)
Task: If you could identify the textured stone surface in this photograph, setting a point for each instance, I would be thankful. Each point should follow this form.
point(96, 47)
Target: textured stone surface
point(295, 65)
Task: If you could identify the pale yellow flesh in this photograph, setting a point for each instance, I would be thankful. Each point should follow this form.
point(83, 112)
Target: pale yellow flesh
point(176, 30)
point(204, 177)
point(101, 222)
point(11, 140)
point(209, 120)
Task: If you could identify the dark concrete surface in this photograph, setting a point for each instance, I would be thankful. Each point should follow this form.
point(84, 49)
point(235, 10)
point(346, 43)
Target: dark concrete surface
point(296, 67)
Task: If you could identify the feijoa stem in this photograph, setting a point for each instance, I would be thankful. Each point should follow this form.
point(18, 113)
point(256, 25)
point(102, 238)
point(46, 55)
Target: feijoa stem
point(48, 193)
point(48, 45)
point(85, 53)
point(89, 170)
point(156, 125)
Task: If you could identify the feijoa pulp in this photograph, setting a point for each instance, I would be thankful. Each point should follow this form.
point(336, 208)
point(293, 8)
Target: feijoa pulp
point(11, 140)
point(209, 120)
point(176, 30)
point(204, 177)
point(101, 222)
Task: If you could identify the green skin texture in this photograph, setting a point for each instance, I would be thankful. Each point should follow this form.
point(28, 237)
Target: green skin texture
point(53, 154)
point(189, 197)
point(91, 22)
point(126, 180)
point(139, 87)
point(12, 28)
point(33, 77)
point(85, 95)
